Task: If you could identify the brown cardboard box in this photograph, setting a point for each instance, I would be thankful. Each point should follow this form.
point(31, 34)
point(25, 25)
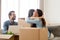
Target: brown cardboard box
point(44, 34)
point(23, 23)
point(33, 34)
point(16, 37)
point(12, 28)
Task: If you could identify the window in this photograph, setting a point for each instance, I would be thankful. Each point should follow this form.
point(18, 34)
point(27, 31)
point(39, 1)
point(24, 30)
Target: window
point(20, 7)
point(25, 5)
point(6, 7)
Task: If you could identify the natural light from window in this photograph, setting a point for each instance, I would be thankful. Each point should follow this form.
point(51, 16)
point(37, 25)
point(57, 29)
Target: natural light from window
point(25, 5)
point(6, 7)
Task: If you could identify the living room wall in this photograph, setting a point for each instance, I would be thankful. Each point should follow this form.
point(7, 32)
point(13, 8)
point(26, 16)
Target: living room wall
point(52, 11)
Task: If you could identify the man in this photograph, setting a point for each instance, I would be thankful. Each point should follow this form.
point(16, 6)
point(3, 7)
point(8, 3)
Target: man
point(11, 21)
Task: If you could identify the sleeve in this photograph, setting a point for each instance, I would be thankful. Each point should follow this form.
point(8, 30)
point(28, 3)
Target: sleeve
point(4, 28)
point(28, 20)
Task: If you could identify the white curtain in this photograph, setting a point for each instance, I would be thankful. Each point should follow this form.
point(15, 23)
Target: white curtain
point(25, 5)
point(6, 7)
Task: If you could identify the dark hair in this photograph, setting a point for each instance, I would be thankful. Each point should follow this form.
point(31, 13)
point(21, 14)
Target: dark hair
point(40, 13)
point(10, 13)
point(30, 14)
point(43, 22)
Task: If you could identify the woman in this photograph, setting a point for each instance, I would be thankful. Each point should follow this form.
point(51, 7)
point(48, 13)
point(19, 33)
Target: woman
point(35, 18)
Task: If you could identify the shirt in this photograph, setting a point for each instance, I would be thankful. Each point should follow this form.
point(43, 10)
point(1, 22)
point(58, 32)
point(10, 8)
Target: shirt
point(38, 22)
point(6, 25)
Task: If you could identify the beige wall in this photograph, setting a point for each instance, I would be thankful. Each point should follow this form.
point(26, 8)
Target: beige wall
point(42, 5)
point(52, 11)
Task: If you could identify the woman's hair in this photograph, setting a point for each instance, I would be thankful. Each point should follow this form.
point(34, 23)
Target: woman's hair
point(40, 13)
point(30, 14)
point(43, 22)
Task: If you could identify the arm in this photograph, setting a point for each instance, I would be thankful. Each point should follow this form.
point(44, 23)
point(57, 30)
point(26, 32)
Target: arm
point(4, 28)
point(28, 20)
point(36, 17)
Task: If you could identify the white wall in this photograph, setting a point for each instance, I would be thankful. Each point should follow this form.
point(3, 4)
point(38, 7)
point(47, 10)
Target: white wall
point(52, 11)
point(6, 7)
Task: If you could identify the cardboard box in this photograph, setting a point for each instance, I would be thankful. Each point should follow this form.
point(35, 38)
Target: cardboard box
point(6, 37)
point(16, 37)
point(23, 23)
point(14, 29)
point(33, 34)
point(44, 34)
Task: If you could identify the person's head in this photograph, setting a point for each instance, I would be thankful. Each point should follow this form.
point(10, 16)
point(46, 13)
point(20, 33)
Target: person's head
point(30, 13)
point(12, 15)
point(35, 13)
point(40, 13)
